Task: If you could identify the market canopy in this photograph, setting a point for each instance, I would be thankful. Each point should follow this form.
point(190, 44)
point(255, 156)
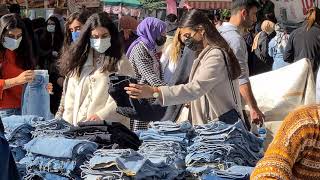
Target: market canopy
point(208, 4)
point(123, 2)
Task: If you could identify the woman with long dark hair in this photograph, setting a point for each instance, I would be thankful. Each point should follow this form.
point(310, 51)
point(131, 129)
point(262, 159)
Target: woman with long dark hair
point(72, 31)
point(50, 44)
point(213, 89)
point(88, 63)
point(16, 63)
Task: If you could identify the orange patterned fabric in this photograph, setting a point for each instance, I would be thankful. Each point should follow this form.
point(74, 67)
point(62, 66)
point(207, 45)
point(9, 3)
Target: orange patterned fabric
point(295, 151)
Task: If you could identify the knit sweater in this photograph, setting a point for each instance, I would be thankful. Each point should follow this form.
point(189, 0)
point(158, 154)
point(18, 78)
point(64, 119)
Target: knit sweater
point(295, 151)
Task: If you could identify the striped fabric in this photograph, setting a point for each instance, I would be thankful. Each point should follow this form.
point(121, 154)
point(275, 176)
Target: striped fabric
point(223, 4)
point(295, 151)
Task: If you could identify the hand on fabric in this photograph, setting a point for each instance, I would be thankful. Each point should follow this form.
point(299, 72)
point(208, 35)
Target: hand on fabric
point(50, 88)
point(25, 77)
point(257, 116)
point(139, 91)
point(94, 118)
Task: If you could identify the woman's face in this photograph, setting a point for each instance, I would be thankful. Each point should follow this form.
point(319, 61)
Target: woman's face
point(187, 32)
point(75, 26)
point(100, 33)
point(15, 33)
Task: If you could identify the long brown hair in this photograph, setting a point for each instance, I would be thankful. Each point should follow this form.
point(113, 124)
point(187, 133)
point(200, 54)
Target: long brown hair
point(25, 58)
point(194, 19)
point(73, 60)
point(313, 16)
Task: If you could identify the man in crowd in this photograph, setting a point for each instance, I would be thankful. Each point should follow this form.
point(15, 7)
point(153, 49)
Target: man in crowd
point(243, 16)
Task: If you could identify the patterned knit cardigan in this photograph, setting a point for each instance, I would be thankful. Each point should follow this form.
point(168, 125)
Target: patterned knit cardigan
point(295, 150)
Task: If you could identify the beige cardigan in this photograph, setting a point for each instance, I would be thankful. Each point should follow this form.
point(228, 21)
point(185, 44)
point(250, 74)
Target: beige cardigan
point(208, 91)
point(88, 95)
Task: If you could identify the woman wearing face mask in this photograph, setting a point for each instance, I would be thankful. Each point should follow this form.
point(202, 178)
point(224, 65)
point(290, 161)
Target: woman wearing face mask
point(16, 62)
point(144, 56)
point(211, 90)
point(88, 64)
point(72, 32)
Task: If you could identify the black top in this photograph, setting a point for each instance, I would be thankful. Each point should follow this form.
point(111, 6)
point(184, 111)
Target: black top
point(304, 44)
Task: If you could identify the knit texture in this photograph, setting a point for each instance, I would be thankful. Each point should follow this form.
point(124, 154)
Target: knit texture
point(295, 151)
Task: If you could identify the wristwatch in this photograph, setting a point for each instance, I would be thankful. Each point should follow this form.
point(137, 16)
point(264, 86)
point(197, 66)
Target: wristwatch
point(156, 92)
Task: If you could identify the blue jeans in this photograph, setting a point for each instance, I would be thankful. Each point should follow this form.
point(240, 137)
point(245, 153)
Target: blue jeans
point(36, 99)
point(59, 147)
point(9, 112)
point(44, 176)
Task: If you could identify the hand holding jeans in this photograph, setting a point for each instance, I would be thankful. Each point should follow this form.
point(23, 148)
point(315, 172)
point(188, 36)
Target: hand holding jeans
point(94, 118)
point(25, 77)
point(50, 88)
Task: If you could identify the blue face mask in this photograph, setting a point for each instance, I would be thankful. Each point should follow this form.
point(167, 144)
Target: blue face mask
point(75, 35)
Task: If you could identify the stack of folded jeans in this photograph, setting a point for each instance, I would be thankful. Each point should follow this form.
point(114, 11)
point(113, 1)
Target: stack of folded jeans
point(124, 164)
point(166, 142)
point(50, 157)
point(18, 132)
point(218, 147)
point(106, 134)
point(53, 128)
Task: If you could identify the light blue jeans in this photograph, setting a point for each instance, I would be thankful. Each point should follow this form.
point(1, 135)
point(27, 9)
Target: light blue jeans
point(36, 99)
point(59, 147)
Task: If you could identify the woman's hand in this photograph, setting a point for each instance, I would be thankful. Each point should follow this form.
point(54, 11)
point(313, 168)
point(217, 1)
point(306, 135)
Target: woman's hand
point(94, 118)
point(140, 91)
point(25, 77)
point(50, 88)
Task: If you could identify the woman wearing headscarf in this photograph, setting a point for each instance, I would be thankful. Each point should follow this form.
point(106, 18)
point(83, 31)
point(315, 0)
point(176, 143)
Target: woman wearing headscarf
point(144, 56)
point(263, 62)
point(128, 26)
point(277, 46)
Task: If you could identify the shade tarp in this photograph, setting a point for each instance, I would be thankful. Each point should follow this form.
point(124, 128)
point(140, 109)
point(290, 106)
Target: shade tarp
point(209, 4)
point(123, 2)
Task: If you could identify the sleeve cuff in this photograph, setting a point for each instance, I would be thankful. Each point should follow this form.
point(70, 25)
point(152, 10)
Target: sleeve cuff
point(164, 91)
point(243, 81)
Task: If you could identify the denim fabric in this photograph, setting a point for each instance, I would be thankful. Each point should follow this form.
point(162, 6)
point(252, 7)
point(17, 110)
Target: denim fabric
point(168, 126)
point(105, 134)
point(51, 128)
point(9, 112)
point(12, 122)
point(7, 164)
point(44, 176)
point(220, 145)
point(59, 147)
point(153, 135)
point(41, 163)
point(36, 99)
point(127, 163)
point(235, 173)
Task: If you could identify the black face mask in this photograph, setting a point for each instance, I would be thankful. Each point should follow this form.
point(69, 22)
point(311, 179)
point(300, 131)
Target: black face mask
point(161, 40)
point(193, 44)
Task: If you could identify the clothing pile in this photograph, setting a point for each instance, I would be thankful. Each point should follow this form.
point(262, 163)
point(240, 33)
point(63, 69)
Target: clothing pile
point(167, 142)
point(51, 128)
point(18, 132)
point(56, 157)
point(221, 150)
point(161, 156)
point(108, 135)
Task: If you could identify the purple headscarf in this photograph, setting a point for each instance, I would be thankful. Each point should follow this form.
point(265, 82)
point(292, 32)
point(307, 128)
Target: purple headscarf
point(148, 31)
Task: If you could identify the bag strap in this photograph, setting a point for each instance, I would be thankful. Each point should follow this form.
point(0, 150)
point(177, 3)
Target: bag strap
point(230, 79)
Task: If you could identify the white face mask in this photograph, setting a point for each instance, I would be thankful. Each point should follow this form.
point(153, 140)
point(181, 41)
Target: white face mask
point(100, 45)
point(11, 44)
point(51, 28)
